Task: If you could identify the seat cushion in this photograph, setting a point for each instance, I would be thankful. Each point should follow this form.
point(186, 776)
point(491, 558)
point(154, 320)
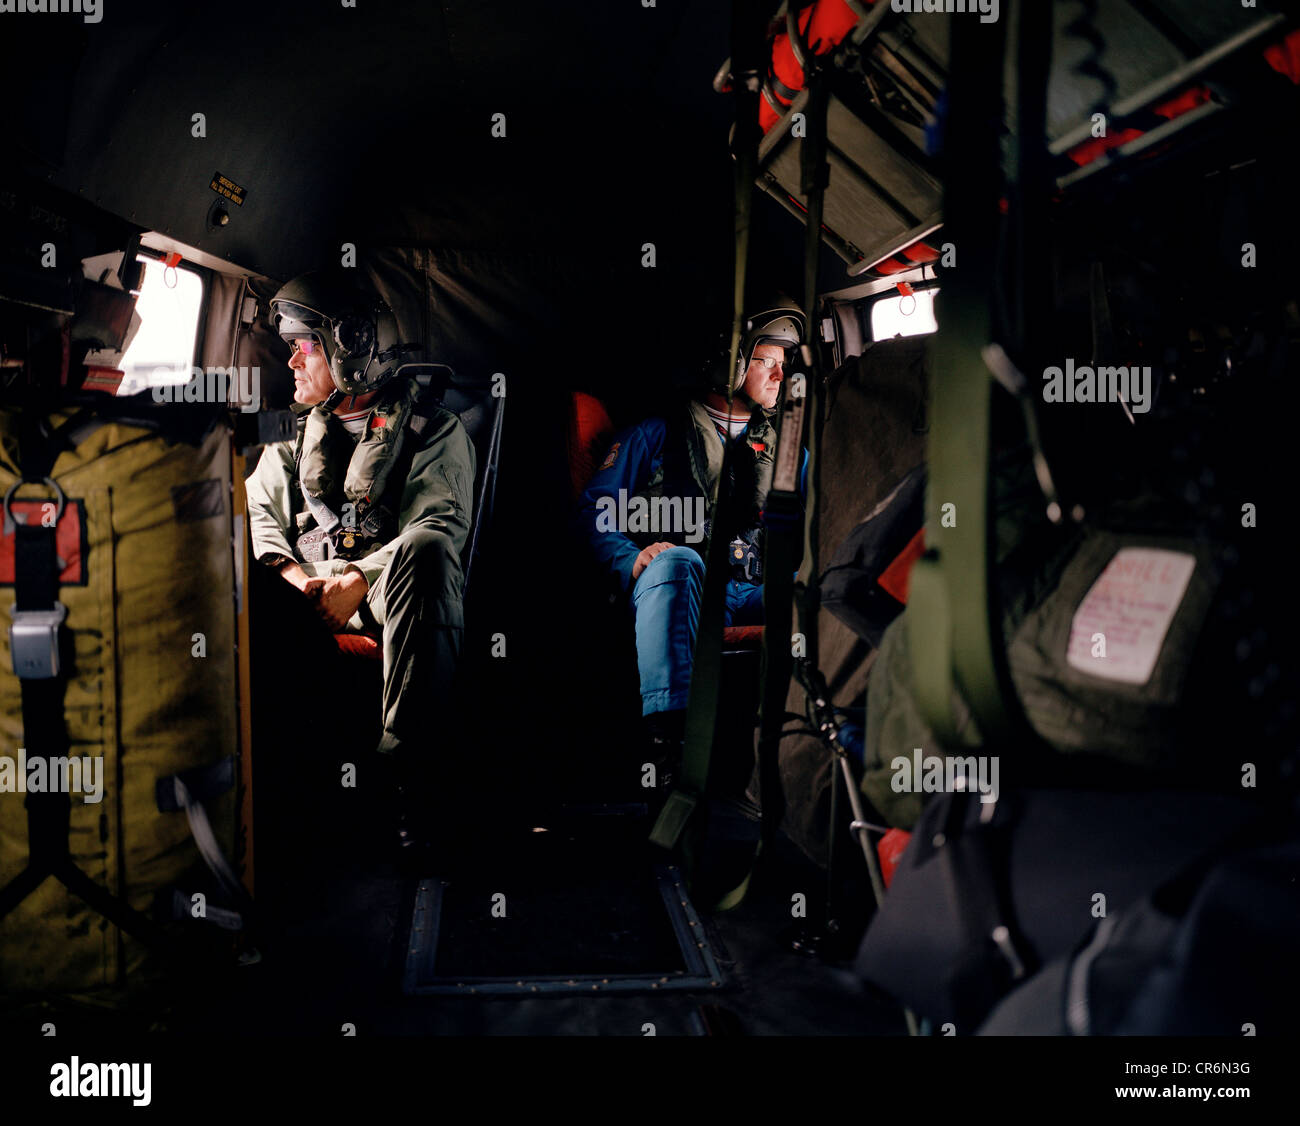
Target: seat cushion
point(359, 645)
point(738, 637)
point(590, 429)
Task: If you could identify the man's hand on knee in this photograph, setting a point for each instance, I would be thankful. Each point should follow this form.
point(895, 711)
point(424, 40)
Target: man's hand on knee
point(643, 560)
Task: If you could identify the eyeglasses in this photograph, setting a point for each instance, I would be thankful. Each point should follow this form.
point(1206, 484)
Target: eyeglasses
point(306, 347)
point(768, 362)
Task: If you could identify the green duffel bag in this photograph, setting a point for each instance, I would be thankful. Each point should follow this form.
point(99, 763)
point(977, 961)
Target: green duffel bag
point(1142, 654)
point(149, 720)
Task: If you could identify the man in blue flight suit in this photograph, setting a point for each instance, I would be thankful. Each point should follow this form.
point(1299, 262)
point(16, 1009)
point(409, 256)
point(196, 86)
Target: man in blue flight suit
point(646, 512)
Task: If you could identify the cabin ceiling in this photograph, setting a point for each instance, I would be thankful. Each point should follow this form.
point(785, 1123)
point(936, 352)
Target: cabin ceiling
point(374, 122)
point(311, 105)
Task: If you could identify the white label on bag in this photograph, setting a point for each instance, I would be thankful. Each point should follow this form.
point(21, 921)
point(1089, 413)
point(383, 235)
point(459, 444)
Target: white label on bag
point(1121, 624)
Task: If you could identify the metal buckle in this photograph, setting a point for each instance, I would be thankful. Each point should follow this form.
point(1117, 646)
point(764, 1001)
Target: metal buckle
point(34, 641)
point(11, 519)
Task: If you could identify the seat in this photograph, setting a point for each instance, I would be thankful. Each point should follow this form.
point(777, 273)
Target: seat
point(482, 415)
point(742, 639)
point(590, 429)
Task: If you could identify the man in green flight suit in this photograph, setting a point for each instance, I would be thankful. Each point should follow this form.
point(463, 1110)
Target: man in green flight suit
point(367, 512)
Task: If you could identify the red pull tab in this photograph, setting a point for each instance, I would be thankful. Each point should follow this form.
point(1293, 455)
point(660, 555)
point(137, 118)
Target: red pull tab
point(172, 260)
point(905, 289)
point(890, 850)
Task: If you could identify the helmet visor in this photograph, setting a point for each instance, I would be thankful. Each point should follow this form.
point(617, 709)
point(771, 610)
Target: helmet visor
point(292, 321)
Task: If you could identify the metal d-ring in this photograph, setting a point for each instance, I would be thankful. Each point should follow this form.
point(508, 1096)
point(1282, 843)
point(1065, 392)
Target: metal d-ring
point(53, 484)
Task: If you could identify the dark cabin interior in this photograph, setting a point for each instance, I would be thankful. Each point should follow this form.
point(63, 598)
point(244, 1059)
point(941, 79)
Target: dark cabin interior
point(584, 242)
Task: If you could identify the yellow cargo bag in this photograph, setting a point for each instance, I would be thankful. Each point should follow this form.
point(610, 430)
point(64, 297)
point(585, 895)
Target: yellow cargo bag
point(149, 582)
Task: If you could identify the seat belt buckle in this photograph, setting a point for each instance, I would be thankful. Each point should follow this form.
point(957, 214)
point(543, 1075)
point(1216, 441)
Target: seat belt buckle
point(34, 641)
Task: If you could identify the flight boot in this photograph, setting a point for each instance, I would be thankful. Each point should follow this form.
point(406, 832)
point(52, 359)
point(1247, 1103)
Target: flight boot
point(402, 830)
point(664, 740)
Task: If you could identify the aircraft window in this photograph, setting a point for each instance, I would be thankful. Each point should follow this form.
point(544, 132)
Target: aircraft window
point(163, 349)
point(904, 315)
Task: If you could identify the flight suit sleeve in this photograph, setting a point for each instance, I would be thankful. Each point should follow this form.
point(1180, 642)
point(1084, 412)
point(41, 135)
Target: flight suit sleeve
point(438, 494)
point(267, 489)
point(627, 466)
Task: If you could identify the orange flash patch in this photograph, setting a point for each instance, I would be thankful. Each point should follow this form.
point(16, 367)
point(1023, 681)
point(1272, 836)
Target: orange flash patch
point(610, 457)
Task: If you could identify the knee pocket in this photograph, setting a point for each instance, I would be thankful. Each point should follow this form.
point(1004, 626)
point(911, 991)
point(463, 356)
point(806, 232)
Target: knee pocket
point(428, 550)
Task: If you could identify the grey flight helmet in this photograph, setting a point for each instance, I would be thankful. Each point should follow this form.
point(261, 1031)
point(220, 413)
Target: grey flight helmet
point(357, 332)
point(779, 322)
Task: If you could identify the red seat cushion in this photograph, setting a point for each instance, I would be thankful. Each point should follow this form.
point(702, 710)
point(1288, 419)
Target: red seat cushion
point(590, 428)
point(359, 645)
point(747, 637)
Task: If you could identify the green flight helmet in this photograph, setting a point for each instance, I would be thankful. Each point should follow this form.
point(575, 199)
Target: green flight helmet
point(356, 331)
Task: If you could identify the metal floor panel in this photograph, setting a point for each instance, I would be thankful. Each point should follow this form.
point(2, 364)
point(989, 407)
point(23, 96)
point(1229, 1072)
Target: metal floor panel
point(426, 976)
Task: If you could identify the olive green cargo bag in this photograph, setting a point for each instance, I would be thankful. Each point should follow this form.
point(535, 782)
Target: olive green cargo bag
point(145, 824)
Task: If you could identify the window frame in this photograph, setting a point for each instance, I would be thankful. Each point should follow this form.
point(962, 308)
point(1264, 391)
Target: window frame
point(204, 276)
point(866, 310)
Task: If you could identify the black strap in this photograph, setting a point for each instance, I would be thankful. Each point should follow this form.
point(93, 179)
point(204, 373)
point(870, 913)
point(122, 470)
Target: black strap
point(36, 567)
point(45, 734)
point(36, 587)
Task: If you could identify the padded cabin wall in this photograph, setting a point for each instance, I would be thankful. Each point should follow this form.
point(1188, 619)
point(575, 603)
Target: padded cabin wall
point(221, 295)
point(875, 433)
